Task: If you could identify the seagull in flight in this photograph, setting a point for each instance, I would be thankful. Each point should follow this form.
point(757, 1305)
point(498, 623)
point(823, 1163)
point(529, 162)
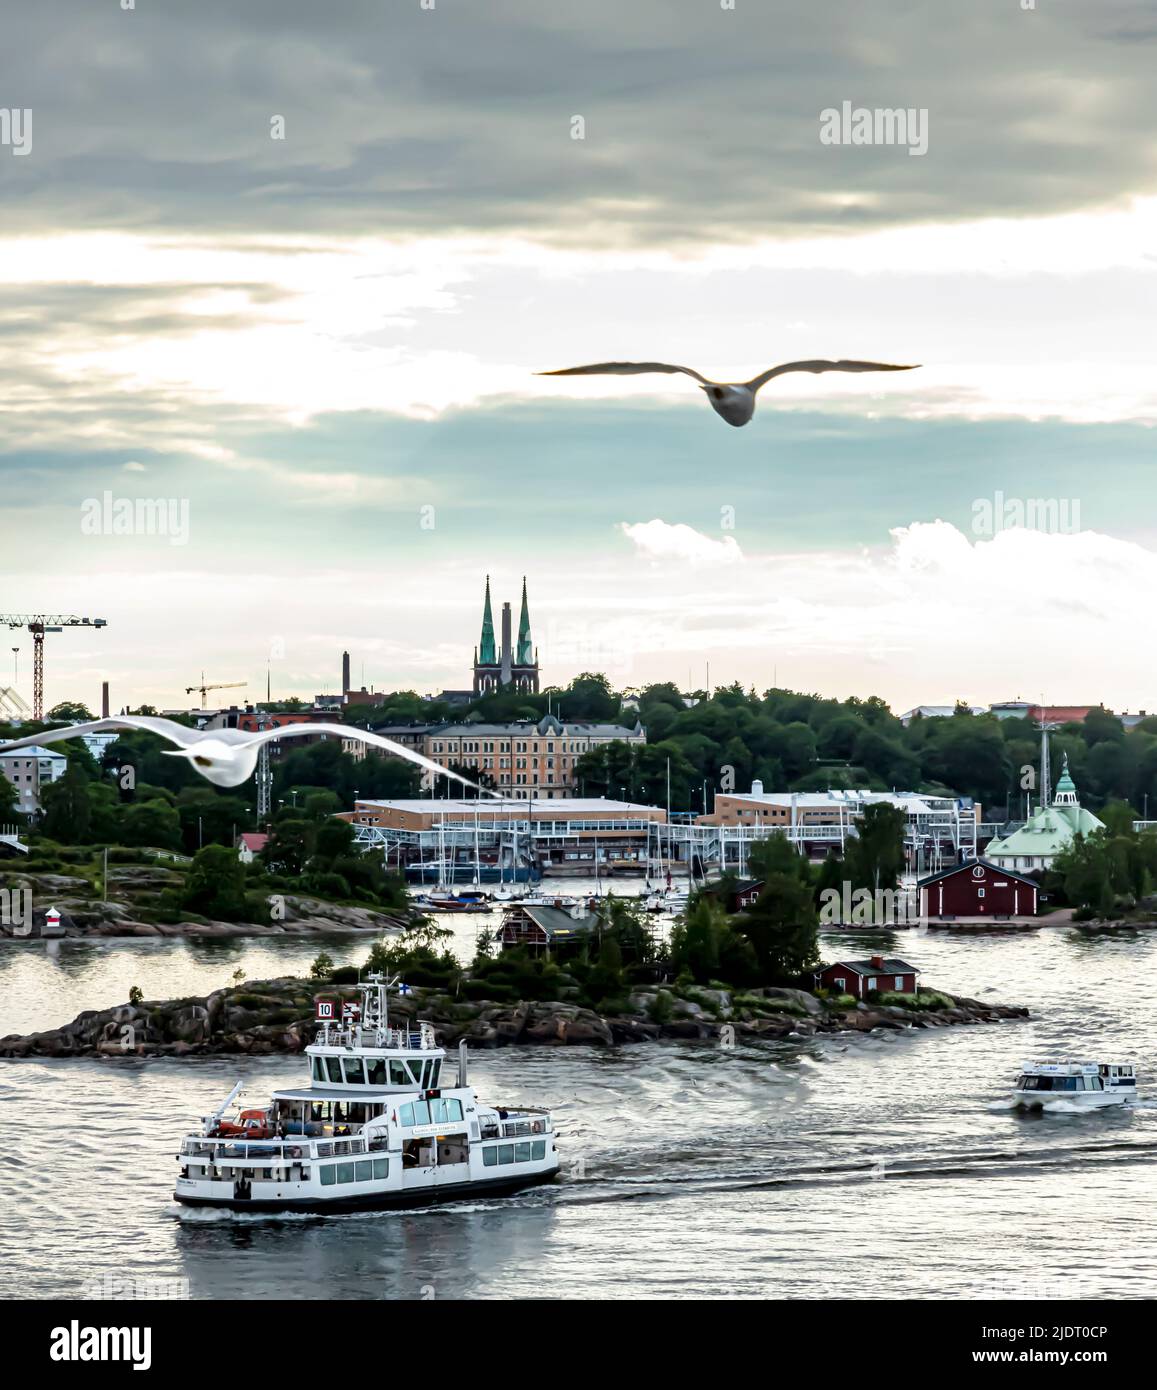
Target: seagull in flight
point(227, 757)
point(734, 400)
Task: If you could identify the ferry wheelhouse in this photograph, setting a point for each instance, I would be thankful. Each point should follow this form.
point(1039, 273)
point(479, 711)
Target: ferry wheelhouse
point(383, 1123)
point(1089, 1085)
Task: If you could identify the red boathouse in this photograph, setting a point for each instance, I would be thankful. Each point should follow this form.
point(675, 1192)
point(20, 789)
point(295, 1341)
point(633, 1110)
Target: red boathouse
point(978, 888)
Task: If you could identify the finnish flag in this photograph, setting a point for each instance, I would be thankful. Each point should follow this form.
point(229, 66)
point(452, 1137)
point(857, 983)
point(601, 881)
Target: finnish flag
point(404, 989)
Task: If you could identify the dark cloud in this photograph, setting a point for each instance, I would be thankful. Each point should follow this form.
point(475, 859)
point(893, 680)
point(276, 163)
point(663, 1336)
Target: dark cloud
point(701, 123)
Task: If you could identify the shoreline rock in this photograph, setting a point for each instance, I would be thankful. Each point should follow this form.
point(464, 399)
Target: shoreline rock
point(88, 919)
point(276, 1016)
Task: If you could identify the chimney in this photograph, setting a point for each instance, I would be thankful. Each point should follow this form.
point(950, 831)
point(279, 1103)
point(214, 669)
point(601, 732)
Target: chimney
point(877, 962)
point(345, 672)
point(104, 699)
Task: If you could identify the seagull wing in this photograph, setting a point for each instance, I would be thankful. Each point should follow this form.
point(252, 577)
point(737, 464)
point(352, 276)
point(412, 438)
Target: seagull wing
point(625, 369)
point(376, 740)
point(844, 365)
point(175, 733)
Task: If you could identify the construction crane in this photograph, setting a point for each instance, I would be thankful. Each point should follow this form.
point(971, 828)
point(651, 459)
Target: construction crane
point(38, 624)
point(204, 689)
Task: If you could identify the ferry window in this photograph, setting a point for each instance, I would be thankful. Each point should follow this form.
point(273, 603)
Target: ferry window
point(376, 1071)
point(435, 1074)
point(398, 1075)
point(438, 1112)
point(365, 1169)
point(334, 1066)
point(522, 1153)
point(345, 1172)
point(328, 1174)
point(381, 1167)
point(354, 1072)
point(489, 1156)
point(538, 1149)
point(421, 1112)
point(318, 1069)
point(455, 1109)
point(405, 1114)
point(416, 1074)
point(506, 1153)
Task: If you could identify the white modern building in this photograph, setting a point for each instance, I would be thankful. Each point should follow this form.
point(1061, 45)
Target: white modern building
point(29, 769)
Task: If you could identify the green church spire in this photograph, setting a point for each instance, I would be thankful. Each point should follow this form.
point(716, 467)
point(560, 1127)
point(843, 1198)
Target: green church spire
point(487, 656)
point(525, 655)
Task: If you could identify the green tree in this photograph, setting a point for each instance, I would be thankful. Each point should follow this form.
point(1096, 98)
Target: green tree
point(67, 813)
point(67, 711)
point(9, 803)
point(154, 823)
point(783, 928)
point(215, 886)
point(696, 939)
point(874, 858)
point(322, 967)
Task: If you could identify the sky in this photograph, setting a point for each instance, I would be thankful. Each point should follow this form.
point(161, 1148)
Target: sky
point(290, 270)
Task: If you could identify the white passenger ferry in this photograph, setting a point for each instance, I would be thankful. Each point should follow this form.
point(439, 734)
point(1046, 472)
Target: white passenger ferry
point(377, 1127)
point(1089, 1085)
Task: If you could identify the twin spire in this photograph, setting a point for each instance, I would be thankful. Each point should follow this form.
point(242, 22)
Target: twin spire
point(505, 661)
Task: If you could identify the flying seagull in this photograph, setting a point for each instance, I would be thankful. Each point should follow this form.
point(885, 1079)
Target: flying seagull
point(226, 757)
point(734, 400)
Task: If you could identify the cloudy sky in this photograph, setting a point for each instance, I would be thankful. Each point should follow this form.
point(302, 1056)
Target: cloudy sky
point(320, 348)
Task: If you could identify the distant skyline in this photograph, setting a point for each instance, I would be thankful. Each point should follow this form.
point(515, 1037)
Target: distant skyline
point(321, 349)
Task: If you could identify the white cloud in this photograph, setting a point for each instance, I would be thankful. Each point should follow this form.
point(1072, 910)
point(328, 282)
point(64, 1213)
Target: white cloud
point(926, 617)
point(662, 542)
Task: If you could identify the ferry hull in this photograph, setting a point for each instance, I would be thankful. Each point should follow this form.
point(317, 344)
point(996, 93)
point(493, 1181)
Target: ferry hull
point(380, 1201)
point(1081, 1100)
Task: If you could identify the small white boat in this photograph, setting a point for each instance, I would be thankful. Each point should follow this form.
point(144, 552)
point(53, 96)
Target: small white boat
point(1082, 1085)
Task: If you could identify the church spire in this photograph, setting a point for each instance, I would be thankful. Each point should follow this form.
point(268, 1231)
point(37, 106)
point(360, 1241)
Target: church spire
point(487, 656)
point(525, 653)
point(1066, 788)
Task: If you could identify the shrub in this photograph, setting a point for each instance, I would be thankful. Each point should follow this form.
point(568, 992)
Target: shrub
point(488, 989)
point(660, 1009)
point(322, 967)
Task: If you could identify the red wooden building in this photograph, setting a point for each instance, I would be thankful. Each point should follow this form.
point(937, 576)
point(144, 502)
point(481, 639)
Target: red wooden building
point(978, 888)
point(859, 978)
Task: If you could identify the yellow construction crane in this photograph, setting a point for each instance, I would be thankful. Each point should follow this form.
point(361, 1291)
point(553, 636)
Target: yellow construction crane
point(204, 689)
point(38, 624)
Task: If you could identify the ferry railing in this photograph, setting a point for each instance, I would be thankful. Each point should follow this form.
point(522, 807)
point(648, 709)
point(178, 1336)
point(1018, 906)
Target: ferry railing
point(418, 1039)
point(295, 1149)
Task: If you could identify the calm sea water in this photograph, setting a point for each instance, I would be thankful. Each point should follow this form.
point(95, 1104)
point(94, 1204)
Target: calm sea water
point(857, 1166)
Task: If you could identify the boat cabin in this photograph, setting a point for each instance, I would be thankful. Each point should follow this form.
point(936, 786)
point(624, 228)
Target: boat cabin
point(1072, 1077)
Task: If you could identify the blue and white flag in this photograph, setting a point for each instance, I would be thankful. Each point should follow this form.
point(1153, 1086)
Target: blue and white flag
point(404, 989)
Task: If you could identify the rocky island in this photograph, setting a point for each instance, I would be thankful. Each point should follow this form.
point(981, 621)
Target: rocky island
point(277, 1016)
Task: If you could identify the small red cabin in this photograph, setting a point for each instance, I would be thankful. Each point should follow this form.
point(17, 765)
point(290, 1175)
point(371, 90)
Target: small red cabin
point(859, 978)
point(978, 888)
